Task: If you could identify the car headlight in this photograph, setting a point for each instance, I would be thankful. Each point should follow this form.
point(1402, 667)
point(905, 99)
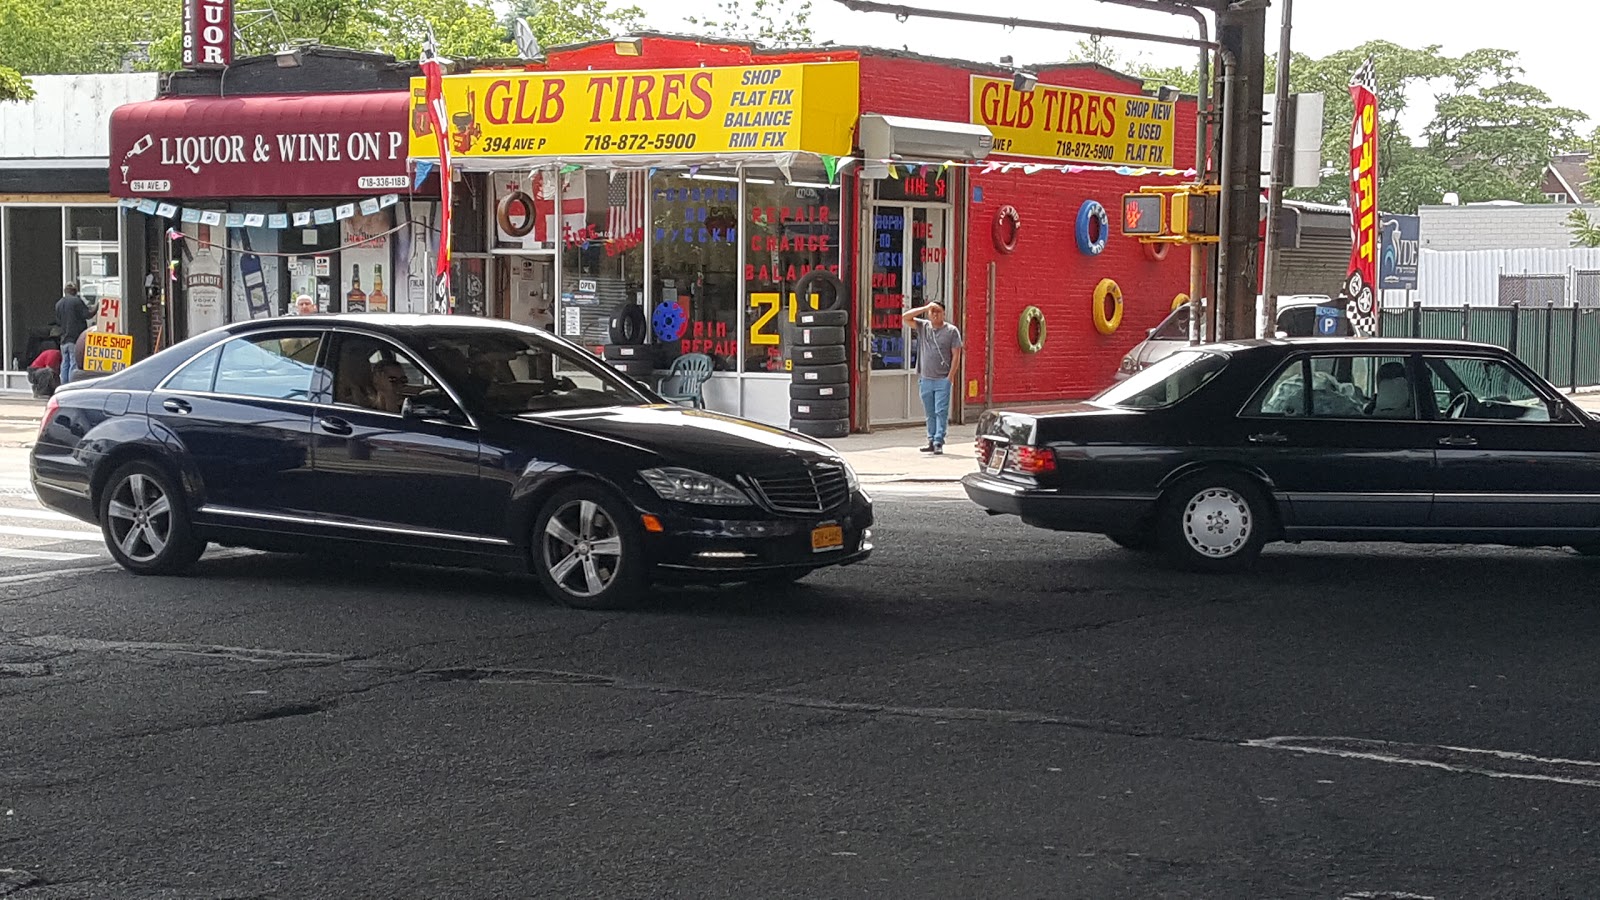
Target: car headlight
point(850, 477)
point(689, 486)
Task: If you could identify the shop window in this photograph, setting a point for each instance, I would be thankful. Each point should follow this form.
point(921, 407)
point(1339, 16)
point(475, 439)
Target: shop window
point(695, 258)
point(34, 246)
point(255, 271)
point(790, 229)
point(469, 285)
point(313, 263)
point(910, 267)
point(470, 208)
point(525, 202)
point(602, 263)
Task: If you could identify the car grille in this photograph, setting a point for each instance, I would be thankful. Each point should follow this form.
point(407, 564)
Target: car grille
point(800, 486)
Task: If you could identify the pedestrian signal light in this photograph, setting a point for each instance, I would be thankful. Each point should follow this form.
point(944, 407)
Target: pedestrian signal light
point(1143, 214)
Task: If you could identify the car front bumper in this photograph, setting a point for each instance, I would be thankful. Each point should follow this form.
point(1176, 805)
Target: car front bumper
point(697, 548)
point(1055, 509)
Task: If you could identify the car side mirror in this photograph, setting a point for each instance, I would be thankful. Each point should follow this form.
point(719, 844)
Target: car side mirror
point(1149, 332)
point(431, 406)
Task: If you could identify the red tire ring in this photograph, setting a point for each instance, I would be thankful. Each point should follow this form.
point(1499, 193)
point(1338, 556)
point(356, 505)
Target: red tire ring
point(1155, 252)
point(503, 215)
point(1007, 226)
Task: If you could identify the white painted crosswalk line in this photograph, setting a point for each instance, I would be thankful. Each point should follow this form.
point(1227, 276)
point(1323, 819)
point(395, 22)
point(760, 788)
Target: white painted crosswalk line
point(43, 555)
point(58, 534)
point(48, 515)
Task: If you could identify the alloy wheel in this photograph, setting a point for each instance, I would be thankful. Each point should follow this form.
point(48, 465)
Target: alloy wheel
point(140, 518)
point(1218, 522)
point(582, 548)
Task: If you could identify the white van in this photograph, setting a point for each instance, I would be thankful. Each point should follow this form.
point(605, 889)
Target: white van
point(1297, 315)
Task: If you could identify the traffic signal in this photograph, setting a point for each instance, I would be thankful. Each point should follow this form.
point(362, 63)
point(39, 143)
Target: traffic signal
point(1143, 214)
point(1175, 214)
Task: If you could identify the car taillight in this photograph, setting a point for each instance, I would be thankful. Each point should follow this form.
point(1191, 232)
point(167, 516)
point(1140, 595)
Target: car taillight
point(1032, 460)
point(985, 448)
point(49, 413)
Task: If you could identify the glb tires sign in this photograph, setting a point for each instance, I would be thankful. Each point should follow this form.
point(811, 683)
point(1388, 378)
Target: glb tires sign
point(207, 34)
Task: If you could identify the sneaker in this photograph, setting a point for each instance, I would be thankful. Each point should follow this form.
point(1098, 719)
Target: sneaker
point(928, 449)
point(938, 449)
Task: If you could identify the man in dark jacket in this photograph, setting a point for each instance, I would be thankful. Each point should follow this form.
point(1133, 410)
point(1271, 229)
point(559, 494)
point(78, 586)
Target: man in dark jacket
point(73, 314)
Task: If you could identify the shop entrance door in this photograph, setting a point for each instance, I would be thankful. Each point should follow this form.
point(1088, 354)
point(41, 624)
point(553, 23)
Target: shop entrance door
point(526, 289)
point(910, 267)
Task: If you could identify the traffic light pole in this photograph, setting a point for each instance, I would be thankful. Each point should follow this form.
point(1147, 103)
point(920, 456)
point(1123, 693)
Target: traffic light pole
point(1241, 32)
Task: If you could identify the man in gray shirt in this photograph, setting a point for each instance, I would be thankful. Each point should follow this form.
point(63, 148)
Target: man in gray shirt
point(938, 367)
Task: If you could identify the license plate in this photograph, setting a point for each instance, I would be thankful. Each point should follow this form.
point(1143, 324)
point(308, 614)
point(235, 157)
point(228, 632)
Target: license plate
point(997, 458)
point(826, 537)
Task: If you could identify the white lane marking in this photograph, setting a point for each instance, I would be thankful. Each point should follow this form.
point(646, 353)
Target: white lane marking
point(55, 533)
point(1464, 760)
point(49, 515)
point(43, 555)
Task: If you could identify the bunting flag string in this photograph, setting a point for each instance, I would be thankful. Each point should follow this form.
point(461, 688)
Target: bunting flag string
point(274, 221)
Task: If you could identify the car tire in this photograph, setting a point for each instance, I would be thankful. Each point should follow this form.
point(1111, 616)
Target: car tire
point(819, 336)
point(145, 520)
point(799, 391)
point(818, 356)
point(821, 428)
point(1214, 522)
point(577, 572)
point(615, 352)
point(638, 368)
point(834, 373)
point(628, 326)
point(1138, 542)
point(811, 318)
point(819, 409)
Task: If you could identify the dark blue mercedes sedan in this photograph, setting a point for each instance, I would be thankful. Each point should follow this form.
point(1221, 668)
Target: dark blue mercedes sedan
point(438, 439)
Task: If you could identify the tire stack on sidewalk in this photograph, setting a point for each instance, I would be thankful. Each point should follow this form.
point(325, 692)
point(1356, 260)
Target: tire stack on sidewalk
point(819, 387)
point(628, 351)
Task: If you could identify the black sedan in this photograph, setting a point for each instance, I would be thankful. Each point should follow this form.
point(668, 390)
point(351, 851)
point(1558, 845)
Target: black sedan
point(441, 439)
point(1216, 450)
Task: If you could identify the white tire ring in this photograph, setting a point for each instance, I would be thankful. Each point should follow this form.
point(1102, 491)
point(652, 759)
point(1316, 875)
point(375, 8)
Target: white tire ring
point(1218, 522)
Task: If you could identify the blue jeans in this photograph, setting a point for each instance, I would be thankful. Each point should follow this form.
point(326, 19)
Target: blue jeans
point(936, 405)
point(68, 351)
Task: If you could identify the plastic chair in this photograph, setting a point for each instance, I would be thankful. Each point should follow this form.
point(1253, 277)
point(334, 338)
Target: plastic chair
point(683, 382)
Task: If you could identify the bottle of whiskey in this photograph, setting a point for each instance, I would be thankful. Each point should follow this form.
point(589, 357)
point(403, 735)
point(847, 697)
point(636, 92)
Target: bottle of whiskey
point(377, 301)
point(356, 300)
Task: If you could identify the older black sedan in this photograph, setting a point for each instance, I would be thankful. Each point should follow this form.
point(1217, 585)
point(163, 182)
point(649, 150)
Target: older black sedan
point(1216, 450)
point(440, 439)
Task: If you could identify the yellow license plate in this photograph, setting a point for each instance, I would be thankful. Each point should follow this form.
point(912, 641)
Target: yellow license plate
point(826, 537)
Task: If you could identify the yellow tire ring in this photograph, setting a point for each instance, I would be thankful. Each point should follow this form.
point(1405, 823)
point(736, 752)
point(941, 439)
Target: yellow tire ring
point(1180, 300)
point(1107, 290)
point(1031, 316)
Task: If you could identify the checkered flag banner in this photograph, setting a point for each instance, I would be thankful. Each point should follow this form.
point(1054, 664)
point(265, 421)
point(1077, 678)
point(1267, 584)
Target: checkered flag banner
point(1366, 76)
point(1360, 289)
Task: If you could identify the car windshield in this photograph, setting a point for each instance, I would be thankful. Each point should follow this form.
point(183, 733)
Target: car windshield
point(1175, 328)
point(1164, 382)
point(511, 372)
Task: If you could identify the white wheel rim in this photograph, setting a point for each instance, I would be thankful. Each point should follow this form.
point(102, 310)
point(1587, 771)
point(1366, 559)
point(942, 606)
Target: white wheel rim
point(139, 517)
point(582, 548)
point(1218, 522)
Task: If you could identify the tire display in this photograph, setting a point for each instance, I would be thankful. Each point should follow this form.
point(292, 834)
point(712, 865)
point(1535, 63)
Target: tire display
point(818, 356)
point(813, 317)
point(819, 336)
point(1007, 227)
point(819, 409)
point(637, 368)
point(1107, 293)
point(1030, 329)
point(819, 360)
point(1092, 218)
point(831, 296)
point(798, 391)
point(626, 351)
point(836, 373)
point(821, 428)
point(629, 326)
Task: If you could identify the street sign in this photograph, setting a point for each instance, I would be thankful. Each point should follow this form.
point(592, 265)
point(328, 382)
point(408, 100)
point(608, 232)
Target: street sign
point(1328, 320)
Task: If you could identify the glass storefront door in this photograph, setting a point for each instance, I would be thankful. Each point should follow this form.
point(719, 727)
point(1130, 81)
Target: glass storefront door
point(910, 268)
point(526, 285)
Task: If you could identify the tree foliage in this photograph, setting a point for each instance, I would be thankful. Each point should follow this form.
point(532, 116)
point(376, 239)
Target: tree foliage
point(759, 21)
point(556, 22)
point(13, 86)
point(46, 37)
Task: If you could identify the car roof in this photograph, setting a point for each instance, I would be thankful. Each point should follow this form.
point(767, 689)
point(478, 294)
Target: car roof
point(1372, 344)
point(395, 324)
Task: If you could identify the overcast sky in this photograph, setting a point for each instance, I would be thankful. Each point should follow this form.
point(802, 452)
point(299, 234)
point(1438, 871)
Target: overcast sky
point(1320, 27)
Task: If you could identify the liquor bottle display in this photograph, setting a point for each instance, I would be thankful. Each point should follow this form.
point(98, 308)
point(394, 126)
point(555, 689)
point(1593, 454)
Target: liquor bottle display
point(377, 301)
point(356, 299)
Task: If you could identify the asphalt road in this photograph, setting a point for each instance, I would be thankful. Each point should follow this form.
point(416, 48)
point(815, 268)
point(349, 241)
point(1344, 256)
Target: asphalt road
point(981, 710)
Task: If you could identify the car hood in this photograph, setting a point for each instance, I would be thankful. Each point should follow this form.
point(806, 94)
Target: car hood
point(689, 437)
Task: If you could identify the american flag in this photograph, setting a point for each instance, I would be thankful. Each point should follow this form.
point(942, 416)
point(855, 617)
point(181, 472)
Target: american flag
point(625, 205)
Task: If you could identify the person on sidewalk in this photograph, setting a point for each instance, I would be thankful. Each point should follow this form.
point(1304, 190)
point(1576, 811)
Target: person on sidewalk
point(44, 373)
point(73, 315)
point(938, 367)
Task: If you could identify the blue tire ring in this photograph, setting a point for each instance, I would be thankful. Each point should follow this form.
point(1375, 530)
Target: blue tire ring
point(1089, 214)
point(669, 322)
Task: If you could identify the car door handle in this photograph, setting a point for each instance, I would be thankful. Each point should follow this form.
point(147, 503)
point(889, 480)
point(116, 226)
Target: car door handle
point(1465, 440)
point(174, 405)
point(1275, 437)
point(334, 426)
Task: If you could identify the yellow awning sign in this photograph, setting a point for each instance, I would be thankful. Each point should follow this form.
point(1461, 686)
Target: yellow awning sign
point(801, 107)
point(1073, 124)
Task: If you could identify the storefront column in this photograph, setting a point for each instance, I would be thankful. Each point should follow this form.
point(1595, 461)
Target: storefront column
point(742, 205)
point(5, 286)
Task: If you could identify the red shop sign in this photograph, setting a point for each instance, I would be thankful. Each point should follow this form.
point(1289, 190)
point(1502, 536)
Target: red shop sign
point(207, 34)
point(302, 145)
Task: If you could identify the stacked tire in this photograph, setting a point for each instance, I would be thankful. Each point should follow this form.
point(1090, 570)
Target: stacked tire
point(819, 387)
point(628, 351)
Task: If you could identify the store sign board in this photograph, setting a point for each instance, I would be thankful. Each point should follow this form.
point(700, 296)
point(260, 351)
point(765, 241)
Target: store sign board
point(207, 34)
point(735, 109)
point(1075, 125)
point(105, 352)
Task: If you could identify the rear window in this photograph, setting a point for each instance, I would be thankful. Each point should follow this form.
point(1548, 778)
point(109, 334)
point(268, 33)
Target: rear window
point(1165, 382)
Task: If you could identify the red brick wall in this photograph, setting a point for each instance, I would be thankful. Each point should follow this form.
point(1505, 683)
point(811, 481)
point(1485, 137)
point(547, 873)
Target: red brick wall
point(1046, 270)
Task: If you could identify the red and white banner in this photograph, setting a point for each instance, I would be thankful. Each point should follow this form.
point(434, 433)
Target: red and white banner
point(207, 34)
point(433, 72)
point(1361, 284)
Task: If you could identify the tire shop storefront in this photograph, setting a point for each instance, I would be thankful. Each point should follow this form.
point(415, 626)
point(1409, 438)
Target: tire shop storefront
point(656, 198)
point(285, 186)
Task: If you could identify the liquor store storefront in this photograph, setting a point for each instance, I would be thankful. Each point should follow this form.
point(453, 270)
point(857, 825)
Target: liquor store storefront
point(276, 196)
point(699, 196)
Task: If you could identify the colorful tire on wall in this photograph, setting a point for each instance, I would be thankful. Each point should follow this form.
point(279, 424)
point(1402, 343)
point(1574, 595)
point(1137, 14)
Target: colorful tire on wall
point(1155, 252)
point(1028, 338)
point(1180, 300)
point(515, 214)
point(1007, 226)
point(1091, 218)
point(1107, 292)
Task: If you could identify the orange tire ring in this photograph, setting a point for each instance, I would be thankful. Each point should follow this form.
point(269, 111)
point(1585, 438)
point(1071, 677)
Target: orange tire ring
point(515, 213)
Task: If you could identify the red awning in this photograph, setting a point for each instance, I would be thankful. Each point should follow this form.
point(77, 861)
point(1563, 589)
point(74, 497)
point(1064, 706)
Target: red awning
point(300, 145)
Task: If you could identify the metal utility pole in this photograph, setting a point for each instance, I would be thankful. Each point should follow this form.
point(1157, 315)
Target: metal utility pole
point(1242, 33)
point(1282, 141)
